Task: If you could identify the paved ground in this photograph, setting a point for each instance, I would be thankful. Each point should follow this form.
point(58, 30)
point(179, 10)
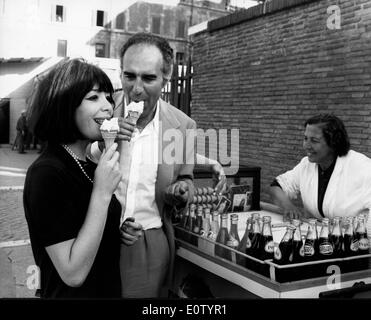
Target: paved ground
point(17, 270)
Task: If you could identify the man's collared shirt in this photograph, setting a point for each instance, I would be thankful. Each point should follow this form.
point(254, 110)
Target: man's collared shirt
point(140, 199)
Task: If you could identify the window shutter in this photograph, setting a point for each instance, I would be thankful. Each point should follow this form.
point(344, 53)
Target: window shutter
point(94, 18)
point(64, 14)
point(105, 18)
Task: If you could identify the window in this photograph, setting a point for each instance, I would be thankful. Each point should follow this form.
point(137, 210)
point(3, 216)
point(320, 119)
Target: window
point(58, 13)
point(181, 29)
point(179, 57)
point(156, 24)
point(120, 21)
point(62, 48)
point(100, 18)
point(100, 50)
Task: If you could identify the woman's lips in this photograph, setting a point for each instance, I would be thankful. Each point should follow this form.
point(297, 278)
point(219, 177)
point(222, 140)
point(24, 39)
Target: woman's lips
point(100, 120)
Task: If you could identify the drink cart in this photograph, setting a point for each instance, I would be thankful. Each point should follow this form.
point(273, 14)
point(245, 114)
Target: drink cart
point(257, 278)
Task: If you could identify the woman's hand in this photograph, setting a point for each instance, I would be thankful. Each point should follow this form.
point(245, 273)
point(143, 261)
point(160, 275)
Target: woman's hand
point(280, 198)
point(130, 231)
point(126, 130)
point(291, 212)
point(107, 174)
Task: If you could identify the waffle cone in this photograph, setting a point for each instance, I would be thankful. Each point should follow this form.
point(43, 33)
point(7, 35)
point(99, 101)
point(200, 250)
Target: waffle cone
point(109, 138)
point(133, 117)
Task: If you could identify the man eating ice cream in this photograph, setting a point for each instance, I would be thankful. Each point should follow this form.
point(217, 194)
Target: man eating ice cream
point(154, 187)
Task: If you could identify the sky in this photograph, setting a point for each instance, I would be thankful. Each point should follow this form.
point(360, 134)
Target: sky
point(241, 3)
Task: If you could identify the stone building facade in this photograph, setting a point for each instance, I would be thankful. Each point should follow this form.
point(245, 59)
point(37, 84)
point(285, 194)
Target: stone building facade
point(34, 33)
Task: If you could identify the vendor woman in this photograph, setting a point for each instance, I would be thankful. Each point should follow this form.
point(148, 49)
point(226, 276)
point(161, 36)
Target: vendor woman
point(332, 179)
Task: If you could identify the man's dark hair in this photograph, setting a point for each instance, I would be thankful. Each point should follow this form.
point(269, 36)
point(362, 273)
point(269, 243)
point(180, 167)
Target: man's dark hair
point(334, 132)
point(58, 95)
point(149, 38)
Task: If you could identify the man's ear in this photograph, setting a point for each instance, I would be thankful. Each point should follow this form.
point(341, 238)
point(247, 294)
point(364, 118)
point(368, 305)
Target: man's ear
point(166, 77)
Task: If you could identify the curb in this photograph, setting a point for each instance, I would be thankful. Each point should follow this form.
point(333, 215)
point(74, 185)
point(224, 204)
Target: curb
point(8, 244)
point(11, 188)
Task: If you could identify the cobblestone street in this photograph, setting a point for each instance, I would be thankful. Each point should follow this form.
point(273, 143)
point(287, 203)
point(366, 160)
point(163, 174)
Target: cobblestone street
point(13, 225)
point(16, 259)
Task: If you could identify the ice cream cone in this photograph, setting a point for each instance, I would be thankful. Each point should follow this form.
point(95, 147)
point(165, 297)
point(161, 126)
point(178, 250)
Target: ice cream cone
point(133, 116)
point(109, 130)
point(109, 138)
point(134, 109)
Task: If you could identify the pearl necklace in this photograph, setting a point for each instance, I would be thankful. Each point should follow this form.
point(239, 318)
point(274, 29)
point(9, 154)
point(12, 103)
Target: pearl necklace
point(74, 156)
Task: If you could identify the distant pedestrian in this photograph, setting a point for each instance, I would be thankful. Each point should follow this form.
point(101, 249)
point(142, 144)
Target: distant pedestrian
point(22, 130)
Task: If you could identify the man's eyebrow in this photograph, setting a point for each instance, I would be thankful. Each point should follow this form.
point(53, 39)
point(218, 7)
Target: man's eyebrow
point(151, 75)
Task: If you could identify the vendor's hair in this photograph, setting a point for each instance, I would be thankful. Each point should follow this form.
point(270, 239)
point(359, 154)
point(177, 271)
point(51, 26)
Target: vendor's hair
point(161, 43)
point(57, 96)
point(334, 132)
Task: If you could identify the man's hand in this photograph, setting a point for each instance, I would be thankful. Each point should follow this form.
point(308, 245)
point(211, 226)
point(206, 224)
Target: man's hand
point(126, 129)
point(125, 132)
point(219, 178)
point(130, 231)
point(178, 192)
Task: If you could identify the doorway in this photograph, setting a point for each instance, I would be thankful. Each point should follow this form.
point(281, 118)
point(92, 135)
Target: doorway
point(4, 121)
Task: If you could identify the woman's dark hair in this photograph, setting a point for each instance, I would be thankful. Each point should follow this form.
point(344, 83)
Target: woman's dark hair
point(149, 38)
point(57, 96)
point(334, 132)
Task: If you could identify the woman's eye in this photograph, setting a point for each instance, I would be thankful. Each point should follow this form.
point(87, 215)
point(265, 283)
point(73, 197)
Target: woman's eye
point(93, 97)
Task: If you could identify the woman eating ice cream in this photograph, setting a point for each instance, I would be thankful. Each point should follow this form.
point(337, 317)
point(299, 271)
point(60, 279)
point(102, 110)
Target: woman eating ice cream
point(70, 208)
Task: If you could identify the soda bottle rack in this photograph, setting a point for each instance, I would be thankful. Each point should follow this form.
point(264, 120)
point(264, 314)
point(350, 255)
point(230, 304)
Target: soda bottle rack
point(317, 268)
point(267, 268)
point(244, 255)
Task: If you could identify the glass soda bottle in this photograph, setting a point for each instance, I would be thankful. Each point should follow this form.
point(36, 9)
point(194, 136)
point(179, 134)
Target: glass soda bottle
point(350, 244)
point(184, 222)
point(361, 235)
point(190, 224)
point(245, 243)
point(214, 230)
point(337, 238)
point(222, 238)
point(311, 242)
point(297, 243)
point(255, 236)
point(205, 228)
point(267, 244)
point(198, 221)
point(326, 249)
point(233, 237)
point(283, 254)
